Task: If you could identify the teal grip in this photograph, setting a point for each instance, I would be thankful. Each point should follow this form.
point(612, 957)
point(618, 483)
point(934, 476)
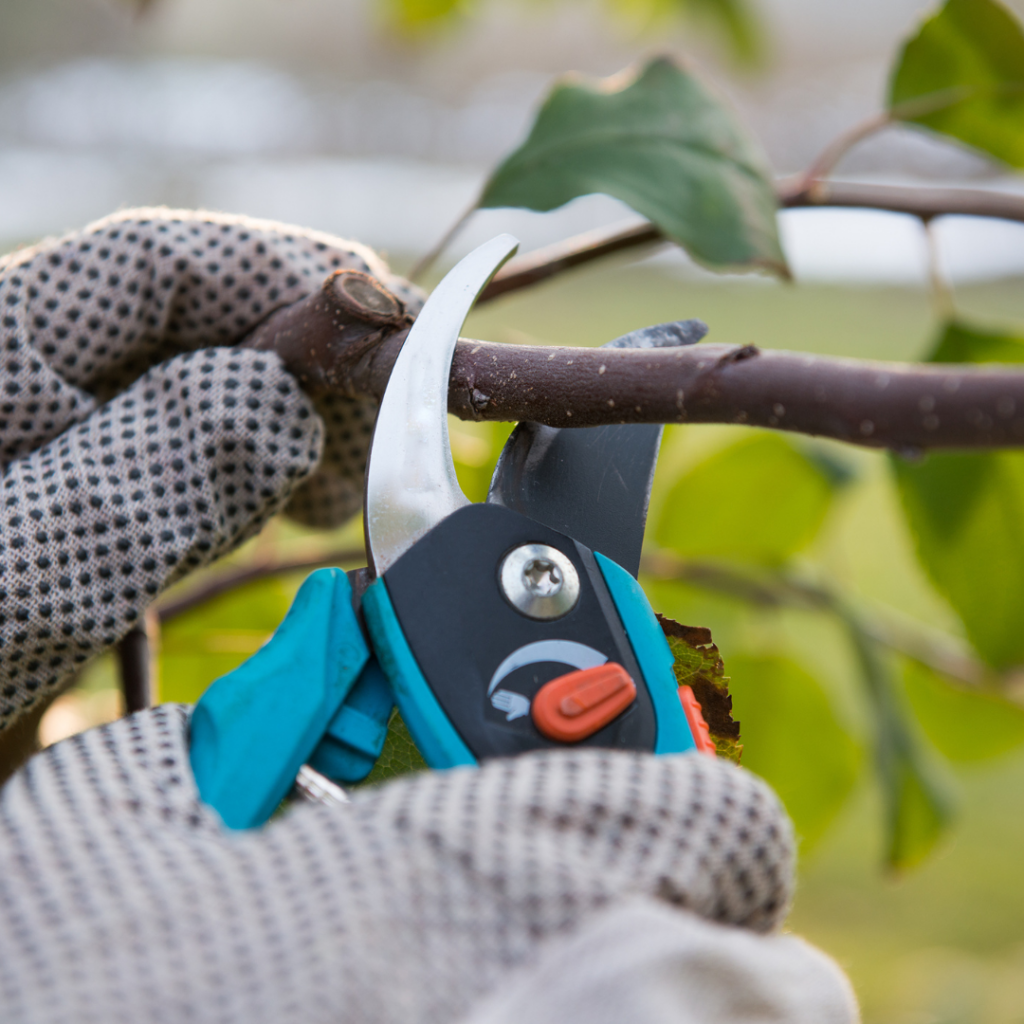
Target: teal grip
point(355, 735)
point(653, 655)
point(255, 727)
point(430, 728)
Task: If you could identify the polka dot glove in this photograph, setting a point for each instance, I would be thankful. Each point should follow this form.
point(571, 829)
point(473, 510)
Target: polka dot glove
point(575, 887)
point(135, 443)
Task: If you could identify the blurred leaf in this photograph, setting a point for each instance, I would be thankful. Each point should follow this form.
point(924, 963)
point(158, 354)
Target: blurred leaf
point(699, 666)
point(963, 75)
point(663, 144)
point(205, 643)
point(417, 14)
point(734, 18)
point(963, 725)
point(917, 801)
point(475, 449)
point(793, 739)
point(966, 512)
point(400, 755)
point(961, 343)
point(759, 500)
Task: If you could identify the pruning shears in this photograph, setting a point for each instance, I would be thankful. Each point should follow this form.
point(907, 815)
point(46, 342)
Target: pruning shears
point(495, 628)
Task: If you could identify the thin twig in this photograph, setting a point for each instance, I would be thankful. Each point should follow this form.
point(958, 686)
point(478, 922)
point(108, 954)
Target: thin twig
point(941, 289)
point(554, 259)
point(774, 589)
point(227, 580)
point(926, 203)
point(426, 262)
point(823, 165)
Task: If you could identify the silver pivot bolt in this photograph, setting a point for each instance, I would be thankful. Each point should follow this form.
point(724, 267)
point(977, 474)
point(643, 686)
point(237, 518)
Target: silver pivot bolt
point(539, 581)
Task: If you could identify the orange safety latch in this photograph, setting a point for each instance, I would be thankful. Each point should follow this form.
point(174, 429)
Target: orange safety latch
point(574, 706)
point(695, 716)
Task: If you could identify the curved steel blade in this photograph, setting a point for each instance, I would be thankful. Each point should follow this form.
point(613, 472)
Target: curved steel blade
point(410, 478)
point(591, 483)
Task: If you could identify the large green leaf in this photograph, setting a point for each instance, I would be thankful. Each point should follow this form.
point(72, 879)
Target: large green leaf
point(963, 725)
point(663, 144)
point(759, 500)
point(792, 738)
point(966, 513)
point(917, 802)
point(963, 75)
point(205, 643)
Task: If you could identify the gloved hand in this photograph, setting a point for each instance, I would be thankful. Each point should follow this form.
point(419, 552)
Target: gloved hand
point(577, 887)
point(136, 444)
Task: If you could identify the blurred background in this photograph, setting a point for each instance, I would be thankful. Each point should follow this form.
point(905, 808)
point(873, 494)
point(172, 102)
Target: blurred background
point(377, 122)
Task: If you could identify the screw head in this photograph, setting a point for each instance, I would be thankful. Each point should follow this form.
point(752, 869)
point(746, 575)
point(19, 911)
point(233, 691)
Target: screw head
point(539, 581)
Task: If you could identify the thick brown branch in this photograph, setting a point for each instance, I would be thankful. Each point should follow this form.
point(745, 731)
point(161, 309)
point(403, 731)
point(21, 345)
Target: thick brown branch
point(926, 203)
point(909, 408)
point(888, 405)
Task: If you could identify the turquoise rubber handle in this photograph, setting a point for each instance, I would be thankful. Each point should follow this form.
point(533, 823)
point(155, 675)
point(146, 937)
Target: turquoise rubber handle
point(254, 728)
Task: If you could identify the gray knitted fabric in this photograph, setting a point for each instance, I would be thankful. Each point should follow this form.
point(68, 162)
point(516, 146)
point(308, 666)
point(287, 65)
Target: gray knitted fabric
point(196, 446)
point(122, 898)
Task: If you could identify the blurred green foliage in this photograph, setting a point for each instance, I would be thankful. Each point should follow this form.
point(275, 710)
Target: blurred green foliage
point(793, 736)
point(734, 20)
point(962, 75)
point(209, 641)
point(707, 511)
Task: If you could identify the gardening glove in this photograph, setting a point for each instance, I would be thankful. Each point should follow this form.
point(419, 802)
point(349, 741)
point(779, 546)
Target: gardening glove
point(578, 887)
point(135, 443)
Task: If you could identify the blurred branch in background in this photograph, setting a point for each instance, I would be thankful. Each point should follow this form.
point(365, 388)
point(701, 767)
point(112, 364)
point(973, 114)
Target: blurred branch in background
point(920, 201)
point(777, 588)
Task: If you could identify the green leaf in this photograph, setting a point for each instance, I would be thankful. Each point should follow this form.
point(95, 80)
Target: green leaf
point(963, 725)
point(400, 755)
point(664, 145)
point(793, 740)
point(210, 640)
point(966, 513)
point(698, 664)
point(917, 801)
point(759, 500)
point(963, 75)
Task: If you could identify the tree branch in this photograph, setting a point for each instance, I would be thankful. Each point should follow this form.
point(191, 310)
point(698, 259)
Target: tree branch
point(795, 193)
point(227, 580)
point(905, 407)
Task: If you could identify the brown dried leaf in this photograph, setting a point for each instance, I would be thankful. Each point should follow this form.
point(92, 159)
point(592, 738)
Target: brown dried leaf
point(699, 666)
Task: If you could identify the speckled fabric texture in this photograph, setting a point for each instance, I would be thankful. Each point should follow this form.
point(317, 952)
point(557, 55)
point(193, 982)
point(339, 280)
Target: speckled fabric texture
point(122, 898)
point(136, 444)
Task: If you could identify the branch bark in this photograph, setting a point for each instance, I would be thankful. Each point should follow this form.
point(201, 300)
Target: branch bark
point(905, 407)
